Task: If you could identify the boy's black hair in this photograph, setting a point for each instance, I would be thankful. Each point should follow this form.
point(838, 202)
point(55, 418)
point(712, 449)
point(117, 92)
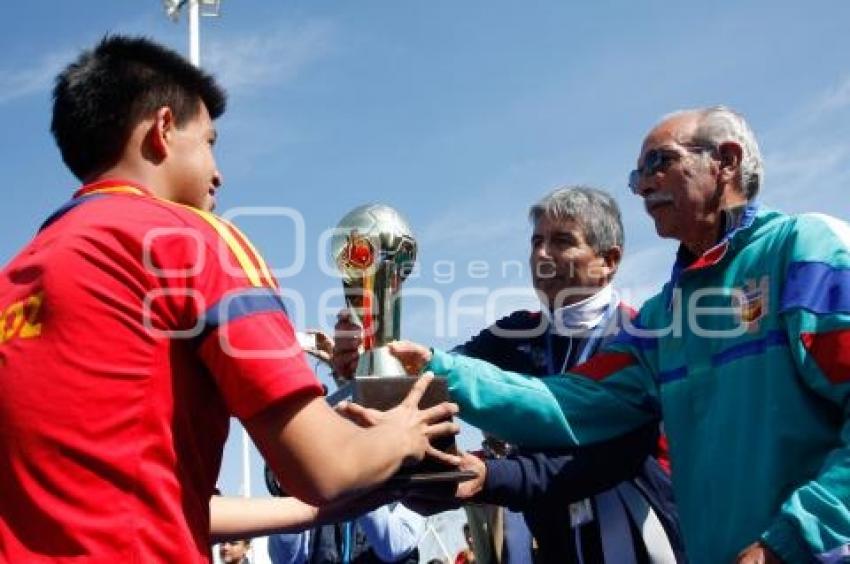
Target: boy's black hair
point(100, 97)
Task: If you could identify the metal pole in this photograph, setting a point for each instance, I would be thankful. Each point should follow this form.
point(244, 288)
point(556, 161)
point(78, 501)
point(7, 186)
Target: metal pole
point(246, 464)
point(195, 59)
point(194, 33)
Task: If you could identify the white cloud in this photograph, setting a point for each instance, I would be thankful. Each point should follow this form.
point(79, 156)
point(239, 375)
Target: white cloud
point(811, 173)
point(260, 59)
point(834, 99)
point(807, 161)
point(33, 78)
point(807, 166)
point(269, 58)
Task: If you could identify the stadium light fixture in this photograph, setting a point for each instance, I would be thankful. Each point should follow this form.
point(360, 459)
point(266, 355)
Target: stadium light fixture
point(196, 8)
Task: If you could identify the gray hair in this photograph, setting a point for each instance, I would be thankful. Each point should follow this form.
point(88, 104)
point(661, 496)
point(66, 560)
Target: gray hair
point(595, 210)
point(718, 124)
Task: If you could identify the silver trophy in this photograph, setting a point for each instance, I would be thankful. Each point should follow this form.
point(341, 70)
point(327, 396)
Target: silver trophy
point(374, 249)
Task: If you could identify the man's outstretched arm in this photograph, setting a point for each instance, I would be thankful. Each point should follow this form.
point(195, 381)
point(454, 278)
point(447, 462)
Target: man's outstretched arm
point(527, 479)
point(581, 407)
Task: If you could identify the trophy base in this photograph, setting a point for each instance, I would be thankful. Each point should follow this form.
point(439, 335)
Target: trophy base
point(386, 392)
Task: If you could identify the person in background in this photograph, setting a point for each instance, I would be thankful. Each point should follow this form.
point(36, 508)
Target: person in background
point(467, 555)
point(387, 534)
point(235, 551)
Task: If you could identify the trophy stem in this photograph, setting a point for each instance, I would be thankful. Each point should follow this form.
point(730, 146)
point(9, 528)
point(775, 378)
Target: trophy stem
point(367, 313)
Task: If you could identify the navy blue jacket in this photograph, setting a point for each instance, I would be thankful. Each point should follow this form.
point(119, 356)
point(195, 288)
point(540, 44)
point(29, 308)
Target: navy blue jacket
point(542, 485)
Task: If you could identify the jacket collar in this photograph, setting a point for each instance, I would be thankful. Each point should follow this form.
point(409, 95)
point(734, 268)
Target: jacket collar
point(734, 220)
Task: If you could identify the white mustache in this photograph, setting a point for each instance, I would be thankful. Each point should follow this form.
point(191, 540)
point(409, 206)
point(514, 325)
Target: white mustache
point(653, 199)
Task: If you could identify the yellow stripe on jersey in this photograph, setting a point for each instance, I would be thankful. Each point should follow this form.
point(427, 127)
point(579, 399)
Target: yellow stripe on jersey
point(257, 256)
point(118, 190)
point(238, 250)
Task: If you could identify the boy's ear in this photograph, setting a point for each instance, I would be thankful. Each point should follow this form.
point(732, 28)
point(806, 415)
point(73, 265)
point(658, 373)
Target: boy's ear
point(161, 131)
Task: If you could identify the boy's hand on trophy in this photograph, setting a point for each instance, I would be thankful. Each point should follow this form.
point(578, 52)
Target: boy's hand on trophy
point(348, 337)
point(423, 424)
point(413, 356)
point(356, 413)
point(417, 426)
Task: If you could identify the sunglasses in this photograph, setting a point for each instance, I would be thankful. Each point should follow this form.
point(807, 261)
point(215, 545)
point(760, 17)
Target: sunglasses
point(659, 160)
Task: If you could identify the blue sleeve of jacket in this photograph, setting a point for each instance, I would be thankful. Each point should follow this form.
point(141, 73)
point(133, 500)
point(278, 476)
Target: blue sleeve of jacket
point(528, 479)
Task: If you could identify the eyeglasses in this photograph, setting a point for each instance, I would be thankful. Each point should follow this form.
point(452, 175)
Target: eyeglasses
point(659, 160)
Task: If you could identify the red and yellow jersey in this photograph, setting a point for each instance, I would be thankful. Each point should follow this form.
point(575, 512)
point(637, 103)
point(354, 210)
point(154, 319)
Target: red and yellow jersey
point(131, 328)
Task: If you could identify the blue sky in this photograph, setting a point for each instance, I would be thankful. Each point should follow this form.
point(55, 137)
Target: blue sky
point(459, 113)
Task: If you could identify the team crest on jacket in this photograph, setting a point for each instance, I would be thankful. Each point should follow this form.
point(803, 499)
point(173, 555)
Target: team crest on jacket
point(752, 302)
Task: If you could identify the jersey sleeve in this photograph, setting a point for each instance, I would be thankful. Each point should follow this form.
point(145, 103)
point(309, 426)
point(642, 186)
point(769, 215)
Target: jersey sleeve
point(815, 307)
point(216, 293)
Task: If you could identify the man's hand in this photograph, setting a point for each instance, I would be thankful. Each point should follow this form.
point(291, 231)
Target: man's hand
point(429, 499)
point(413, 357)
point(348, 336)
point(469, 488)
point(322, 347)
point(416, 426)
point(757, 553)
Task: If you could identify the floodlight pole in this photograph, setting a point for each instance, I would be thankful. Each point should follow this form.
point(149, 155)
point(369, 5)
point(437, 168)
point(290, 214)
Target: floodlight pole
point(194, 32)
point(195, 58)
point(246, 463)
point(194, 9)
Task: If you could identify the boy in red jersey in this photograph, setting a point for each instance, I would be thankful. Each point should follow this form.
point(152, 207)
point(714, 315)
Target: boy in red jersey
point(136, 322)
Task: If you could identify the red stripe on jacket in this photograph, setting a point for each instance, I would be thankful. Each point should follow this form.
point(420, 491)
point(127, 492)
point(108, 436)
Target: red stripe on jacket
point(831, 351)
point(602, 365)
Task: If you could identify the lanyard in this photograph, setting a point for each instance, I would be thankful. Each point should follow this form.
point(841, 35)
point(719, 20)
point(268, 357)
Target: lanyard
point(590, 342)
